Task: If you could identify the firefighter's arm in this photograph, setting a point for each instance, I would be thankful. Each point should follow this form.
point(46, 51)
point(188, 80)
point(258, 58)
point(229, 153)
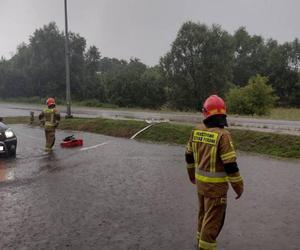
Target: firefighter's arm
point(41, 118)
point(234, 178)
point(41, 115)
point(57, 117)
point(190, 161)
point(228, 157)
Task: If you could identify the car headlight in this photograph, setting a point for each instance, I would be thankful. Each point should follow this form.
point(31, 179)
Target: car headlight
point(9, 133)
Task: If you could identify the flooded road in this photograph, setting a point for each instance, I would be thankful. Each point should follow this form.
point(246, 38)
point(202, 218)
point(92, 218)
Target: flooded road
point(116, 194)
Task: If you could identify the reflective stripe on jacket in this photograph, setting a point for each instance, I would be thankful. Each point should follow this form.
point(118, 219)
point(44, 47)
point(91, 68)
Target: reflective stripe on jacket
point(211, 149)
point(50, 117)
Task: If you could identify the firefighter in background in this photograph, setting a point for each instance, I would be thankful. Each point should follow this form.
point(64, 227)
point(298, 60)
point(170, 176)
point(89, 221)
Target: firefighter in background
point(49, 118)
point(211, 165)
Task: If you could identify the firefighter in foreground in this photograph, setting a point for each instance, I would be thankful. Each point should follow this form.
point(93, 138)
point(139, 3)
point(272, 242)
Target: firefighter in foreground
point(50, 118)
point(211, 164)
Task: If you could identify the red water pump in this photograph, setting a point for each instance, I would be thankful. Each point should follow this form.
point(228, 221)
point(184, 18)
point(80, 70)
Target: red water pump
point(70, 142)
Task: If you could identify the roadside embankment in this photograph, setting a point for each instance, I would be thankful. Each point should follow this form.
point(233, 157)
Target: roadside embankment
point(279, 145)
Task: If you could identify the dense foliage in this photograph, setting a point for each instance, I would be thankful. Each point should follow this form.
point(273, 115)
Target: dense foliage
point(257, 97)
point(202, 61)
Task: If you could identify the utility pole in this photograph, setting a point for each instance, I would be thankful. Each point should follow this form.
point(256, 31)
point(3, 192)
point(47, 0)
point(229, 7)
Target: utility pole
point(67, 54)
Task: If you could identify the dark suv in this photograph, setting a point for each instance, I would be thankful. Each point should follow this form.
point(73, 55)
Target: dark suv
point(8, 141)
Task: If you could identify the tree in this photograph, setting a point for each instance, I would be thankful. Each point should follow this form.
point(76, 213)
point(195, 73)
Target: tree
point(282, 72)
point(203, 60)
point(47, 65)
point(199, 64)
point(257, 97)
point(123, 84)
point(107, 64)
point(249, 56)
point(38, 69)
point(152, 89)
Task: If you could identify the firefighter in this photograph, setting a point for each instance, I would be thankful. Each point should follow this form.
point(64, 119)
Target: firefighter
point(49, 118)
point(211, 165)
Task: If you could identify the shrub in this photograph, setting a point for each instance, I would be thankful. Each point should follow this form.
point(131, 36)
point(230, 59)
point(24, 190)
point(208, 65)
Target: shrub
point(257, 97)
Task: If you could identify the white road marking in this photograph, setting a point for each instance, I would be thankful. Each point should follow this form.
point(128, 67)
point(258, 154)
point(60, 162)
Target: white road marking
point(95, 146)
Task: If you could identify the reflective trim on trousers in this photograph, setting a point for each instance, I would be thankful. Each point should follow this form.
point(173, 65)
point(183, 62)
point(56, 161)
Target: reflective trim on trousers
point(207, 245)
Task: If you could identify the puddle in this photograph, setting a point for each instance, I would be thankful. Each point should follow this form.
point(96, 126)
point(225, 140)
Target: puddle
point(6, 174)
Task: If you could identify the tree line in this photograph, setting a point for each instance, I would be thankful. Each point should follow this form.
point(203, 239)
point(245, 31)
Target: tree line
point(203, 60)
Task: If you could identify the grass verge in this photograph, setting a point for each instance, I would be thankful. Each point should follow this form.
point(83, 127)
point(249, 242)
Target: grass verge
point(278, 145)
point(290, 114)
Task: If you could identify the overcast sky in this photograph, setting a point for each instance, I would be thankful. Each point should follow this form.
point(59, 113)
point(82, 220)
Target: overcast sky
point(144, 28)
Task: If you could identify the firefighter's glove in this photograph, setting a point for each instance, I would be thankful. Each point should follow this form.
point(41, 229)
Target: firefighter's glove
point(238, 189)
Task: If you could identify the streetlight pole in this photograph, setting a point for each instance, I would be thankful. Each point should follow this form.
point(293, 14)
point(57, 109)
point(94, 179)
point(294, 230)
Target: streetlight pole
point(67, 55)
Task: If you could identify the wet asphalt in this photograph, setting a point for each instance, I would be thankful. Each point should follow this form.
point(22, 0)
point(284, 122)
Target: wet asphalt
point(120, 194)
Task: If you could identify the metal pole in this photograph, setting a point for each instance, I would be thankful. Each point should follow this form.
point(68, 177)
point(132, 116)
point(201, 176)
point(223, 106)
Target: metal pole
point(67, 54)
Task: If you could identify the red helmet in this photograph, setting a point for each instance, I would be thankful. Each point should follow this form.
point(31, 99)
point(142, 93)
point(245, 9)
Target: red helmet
point(213, 105)
point(50, 101)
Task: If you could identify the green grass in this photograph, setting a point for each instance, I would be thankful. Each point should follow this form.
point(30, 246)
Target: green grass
point(289, 114)
point(118, 128)
point(167, 132)
point(279, 145)
point(17, 120)
point(292, 114)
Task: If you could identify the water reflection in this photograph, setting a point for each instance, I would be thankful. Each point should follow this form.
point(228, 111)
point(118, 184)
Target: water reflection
point(49, 162)
point(6, 174)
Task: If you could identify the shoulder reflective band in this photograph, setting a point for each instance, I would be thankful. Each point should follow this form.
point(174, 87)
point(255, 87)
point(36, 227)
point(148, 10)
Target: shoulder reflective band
point(189, 148)
point(228, 156)
point(216, 177)
point(207, 245)
point(235, 179)
point(205, 137)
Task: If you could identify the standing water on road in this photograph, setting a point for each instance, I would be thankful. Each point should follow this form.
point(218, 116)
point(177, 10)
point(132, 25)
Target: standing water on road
point(123, 194)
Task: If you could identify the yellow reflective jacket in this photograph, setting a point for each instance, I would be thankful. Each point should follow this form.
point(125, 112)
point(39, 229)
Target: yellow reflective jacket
point(50, 118)
point(211, 149)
